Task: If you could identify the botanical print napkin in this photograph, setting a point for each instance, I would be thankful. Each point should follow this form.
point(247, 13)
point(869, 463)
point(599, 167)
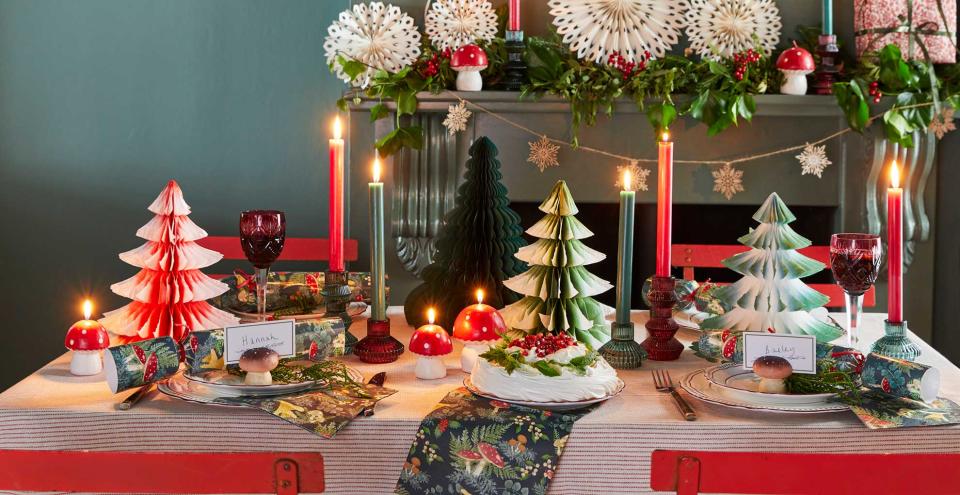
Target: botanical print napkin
point(323, 412)
point(470, 444)
point(878, 410)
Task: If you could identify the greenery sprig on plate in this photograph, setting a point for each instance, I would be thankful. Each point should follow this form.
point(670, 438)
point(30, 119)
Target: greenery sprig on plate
point(326, 373)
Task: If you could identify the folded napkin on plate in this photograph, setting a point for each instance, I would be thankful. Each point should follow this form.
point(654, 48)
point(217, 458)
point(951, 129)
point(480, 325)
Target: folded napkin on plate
point(470, 444)
point(323, 412)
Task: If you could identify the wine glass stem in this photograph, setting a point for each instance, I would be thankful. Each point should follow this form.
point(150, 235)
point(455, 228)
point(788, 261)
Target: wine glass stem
point(262, 293)
point(854, 308)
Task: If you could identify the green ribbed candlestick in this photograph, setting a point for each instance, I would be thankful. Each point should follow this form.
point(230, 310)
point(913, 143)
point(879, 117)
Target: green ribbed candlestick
point(895, 342)
point(622, 351)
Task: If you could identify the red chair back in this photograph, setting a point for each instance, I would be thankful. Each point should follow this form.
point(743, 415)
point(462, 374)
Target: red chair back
point(690, 256)
point(294, 249)
point(693, 472)
point(286, 473)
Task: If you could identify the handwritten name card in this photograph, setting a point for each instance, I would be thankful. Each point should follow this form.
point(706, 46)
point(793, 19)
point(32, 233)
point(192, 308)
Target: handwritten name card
point(799, 350)
point(277, 335)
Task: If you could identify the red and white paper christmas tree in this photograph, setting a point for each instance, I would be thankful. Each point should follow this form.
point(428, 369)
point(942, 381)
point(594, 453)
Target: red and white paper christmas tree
point(170, 292)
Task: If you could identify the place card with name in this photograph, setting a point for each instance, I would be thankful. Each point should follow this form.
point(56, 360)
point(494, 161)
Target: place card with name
point(799, 350)
point(277, 335)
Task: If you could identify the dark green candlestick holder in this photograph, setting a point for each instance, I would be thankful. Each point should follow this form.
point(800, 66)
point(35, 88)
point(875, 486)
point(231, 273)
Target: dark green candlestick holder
point(895, 342)
point(336, 296)
point(622, 351)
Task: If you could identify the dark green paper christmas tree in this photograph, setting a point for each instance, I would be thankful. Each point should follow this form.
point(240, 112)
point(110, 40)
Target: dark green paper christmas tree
point(474, 248)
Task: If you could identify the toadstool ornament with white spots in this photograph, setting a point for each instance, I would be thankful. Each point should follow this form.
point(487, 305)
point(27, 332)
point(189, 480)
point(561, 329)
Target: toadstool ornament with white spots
point(478, 326)
point(430, 343)
point(468, 61)
point(86, 338)
point(795, 63)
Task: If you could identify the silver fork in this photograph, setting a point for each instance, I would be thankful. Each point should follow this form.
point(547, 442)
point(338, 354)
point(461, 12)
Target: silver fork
point(663, 383)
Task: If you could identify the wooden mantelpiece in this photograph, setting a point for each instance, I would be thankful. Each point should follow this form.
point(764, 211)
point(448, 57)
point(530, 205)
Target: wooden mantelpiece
point(422, 184)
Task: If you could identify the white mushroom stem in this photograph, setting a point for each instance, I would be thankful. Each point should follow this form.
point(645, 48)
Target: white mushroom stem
point(469, 80)
point(470, 353)
point(84, 363)
point(430, 368)
point(258, 378)
point(794, 82)
point(482, 463)
point(772, 386)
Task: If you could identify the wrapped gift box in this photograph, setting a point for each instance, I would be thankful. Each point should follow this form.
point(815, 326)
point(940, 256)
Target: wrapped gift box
point(878, 23)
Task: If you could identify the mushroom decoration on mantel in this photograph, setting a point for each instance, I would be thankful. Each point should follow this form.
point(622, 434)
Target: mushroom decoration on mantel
point(468, 61)
point(795, 63)
point(430, 343)
point(477, 327)
point(86, 338)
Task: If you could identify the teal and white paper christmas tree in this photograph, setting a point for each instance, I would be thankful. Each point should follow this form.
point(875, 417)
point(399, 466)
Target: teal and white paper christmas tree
point(771, 294)
point(558, 289)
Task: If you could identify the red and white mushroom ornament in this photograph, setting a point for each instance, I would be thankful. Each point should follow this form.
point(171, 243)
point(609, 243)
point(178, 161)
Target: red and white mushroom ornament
point(795, 63)
point(430, 343)
point(85, 339)
point(478, 326)
point(468, 61)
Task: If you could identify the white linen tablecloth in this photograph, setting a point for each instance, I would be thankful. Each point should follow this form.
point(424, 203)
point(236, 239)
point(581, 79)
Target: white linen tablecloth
point(608, 451)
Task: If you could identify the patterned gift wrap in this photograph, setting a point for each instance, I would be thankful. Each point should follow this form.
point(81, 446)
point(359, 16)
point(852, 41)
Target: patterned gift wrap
point(881, 22)
point(288, 293)
point(137, 364)
point(316, 339)
point(901, 378)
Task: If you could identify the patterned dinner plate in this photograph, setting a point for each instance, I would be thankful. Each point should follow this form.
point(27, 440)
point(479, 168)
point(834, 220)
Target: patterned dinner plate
point(553, 406)
point(739, 383)
point(697, 385)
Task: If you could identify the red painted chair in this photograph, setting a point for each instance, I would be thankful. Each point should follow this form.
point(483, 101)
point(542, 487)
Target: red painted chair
point(283, 473)
point(693, 472)
point(690, 256)
point(294, 249)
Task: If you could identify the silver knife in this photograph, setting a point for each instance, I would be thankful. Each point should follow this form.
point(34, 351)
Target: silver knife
point(135, 397)
point(377, 380)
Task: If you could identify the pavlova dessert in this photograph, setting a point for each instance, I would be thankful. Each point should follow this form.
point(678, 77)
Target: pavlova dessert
point(544, 368)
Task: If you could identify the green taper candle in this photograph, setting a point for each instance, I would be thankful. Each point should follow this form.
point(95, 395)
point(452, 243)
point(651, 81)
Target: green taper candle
point(827, 16)
point(378, 310)
point(625, 254)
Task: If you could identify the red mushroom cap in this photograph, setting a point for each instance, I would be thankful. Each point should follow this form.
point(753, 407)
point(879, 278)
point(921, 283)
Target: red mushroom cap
point(469, 57)
point(796, 58)
point(469, 455)
point(478, 323)
point(87, 335)
point(431, 340)
point(489, 452)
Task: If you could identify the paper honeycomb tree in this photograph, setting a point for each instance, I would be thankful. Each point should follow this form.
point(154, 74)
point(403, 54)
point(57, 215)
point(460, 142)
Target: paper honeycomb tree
point(475, 247)
point(557, 288)
point(169, 292)
point(771, 294)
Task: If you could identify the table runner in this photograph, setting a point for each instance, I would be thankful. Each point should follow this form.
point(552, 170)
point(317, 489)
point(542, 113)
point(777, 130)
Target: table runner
point(608, 450)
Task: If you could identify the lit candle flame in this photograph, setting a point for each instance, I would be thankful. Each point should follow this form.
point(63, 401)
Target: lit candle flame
point(665, 136)
point(376, 169)
point(87, 309)
point(479, 296)
point(895, 175)
point(431, 315)
point(627, 177)
point(337, 128)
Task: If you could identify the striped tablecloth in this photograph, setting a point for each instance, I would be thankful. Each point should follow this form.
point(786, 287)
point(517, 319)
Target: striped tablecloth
point(608, 451)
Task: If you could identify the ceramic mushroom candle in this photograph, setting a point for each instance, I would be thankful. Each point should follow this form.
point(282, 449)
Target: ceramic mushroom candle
point(86, 338)
point(258, 363)
point(477, 327)
point(468, 61)
point(772, 370)
point(430, 343)
point(795, 63)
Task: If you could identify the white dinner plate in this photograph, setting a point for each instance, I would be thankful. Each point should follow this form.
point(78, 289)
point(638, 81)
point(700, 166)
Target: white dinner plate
point(742, 384)
point(183, 388)
point(553, 406)
point(697, 385)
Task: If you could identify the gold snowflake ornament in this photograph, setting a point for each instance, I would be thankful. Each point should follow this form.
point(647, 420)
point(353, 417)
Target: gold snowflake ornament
point(813, 160)
point(638, 176)
point(942, 123)
point(727, 181)
point(457, 117)
point(543, 153)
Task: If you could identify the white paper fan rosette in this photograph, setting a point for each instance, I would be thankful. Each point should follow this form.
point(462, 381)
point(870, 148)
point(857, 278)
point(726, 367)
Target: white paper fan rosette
point(381, 36)
point(726, 27)
point(454, 23)
point(595, 29)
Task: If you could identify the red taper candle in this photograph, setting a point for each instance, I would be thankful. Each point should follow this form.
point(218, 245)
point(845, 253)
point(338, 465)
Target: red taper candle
point(664, 204)
point(513, 22)
point(895, 247)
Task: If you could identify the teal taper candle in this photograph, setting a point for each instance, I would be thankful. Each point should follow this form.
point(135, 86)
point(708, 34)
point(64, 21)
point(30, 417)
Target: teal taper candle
point(827, 16)
point(625, 253)
point(378, 310)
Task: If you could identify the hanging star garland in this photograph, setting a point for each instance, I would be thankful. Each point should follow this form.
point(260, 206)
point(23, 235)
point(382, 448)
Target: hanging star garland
point(942, 123)
point(813, 160)
point(457, 117)
point(543, 153)
point(728, 181)
point(638, 176)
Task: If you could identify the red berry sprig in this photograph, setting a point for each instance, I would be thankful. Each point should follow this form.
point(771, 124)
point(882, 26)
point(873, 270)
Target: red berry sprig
point(431, 66)
point(742, 61)
point(544, 343)
point(875, 91)
point(628, 68)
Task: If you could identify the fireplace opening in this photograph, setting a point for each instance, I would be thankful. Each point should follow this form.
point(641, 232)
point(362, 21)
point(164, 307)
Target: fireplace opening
point(693, 224)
